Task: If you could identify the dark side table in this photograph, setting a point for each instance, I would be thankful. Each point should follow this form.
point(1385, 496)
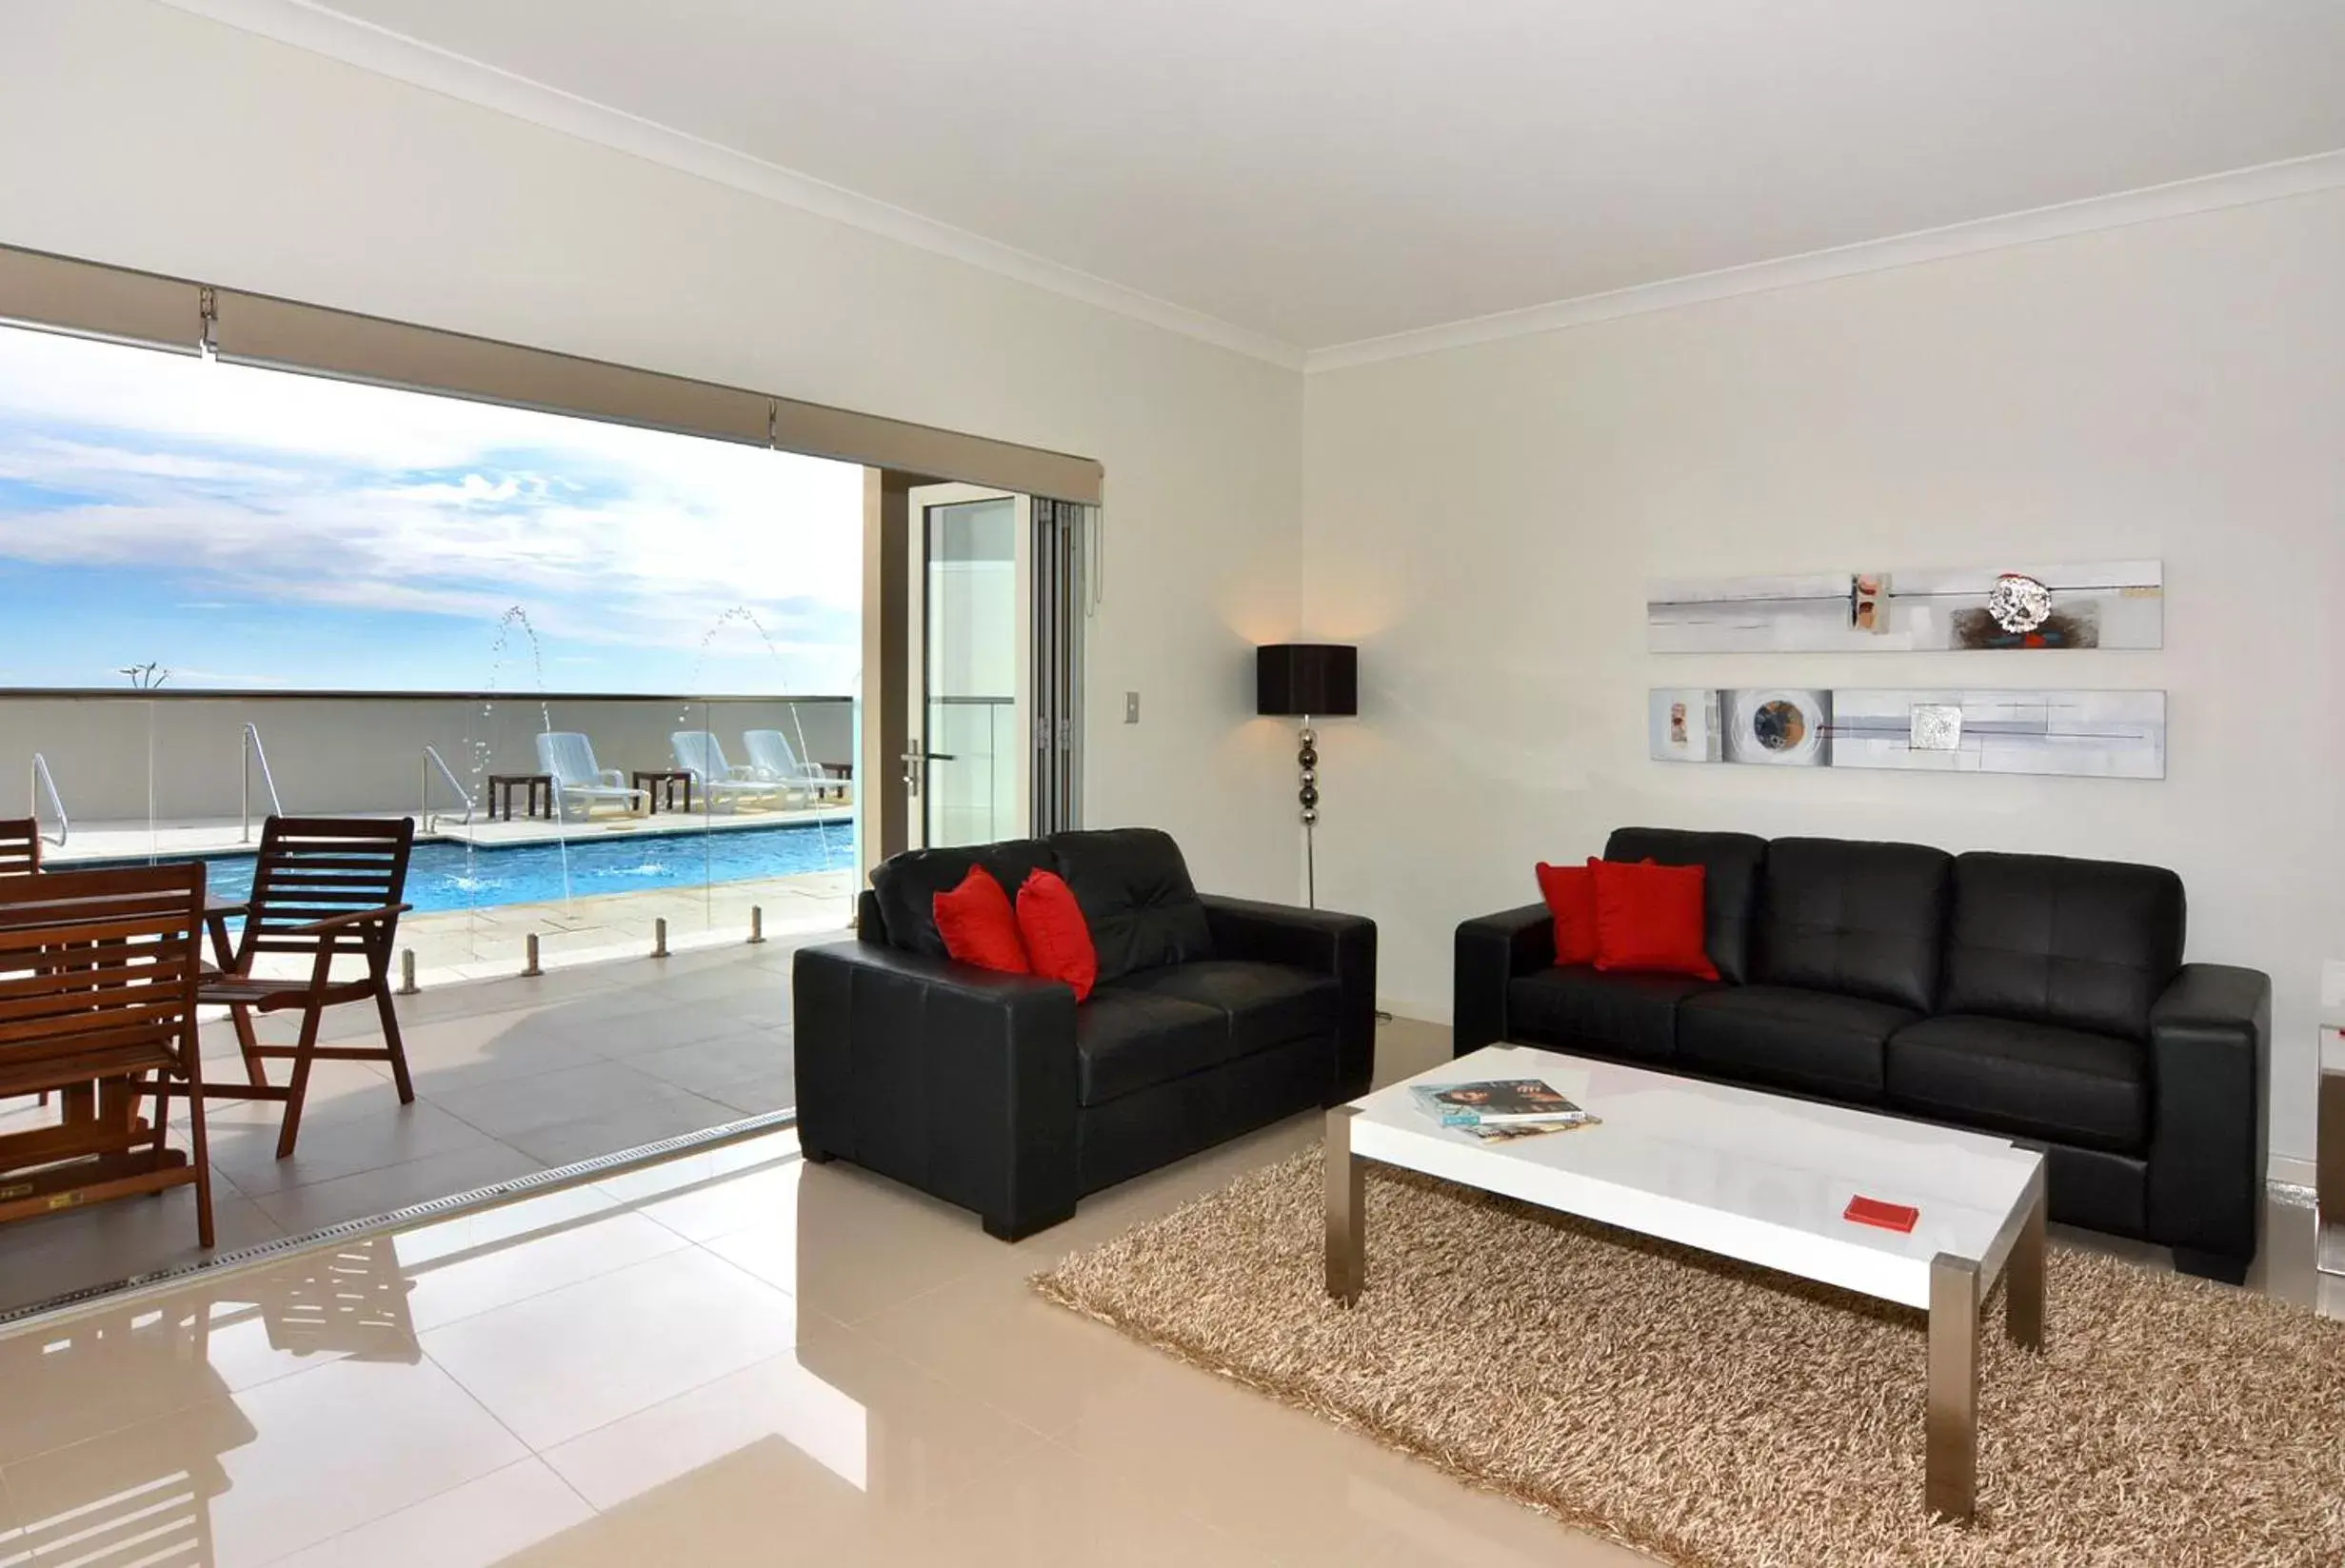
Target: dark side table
point(652, 781)
point(539, 787)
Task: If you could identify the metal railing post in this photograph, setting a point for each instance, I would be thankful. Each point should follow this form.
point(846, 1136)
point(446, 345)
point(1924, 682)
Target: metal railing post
point(659, 937)
point(757, 923)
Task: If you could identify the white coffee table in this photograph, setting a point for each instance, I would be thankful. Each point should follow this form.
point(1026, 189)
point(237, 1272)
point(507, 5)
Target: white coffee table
point(1750, 1176)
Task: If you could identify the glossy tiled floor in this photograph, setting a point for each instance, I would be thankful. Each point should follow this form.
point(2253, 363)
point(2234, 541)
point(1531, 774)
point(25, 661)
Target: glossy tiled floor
point(511, 1076)
point(731, 1356)
point(734, 1356)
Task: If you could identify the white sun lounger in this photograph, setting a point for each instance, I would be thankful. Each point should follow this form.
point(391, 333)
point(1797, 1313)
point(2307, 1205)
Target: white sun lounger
point(719, 783)
point(567, 757)
point(772, 758)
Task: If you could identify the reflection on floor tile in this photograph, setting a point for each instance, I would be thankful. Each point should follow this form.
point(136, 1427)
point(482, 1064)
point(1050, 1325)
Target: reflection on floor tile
point(479, 1523)
point(559, 1364)
point(267, 1471)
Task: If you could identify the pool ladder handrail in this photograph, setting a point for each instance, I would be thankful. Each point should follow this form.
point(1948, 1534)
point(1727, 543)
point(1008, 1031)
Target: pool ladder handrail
point(432, 759)
point(276, 807)
point(43, 781)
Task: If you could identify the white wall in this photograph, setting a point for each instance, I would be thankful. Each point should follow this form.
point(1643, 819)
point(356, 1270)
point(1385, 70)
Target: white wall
point(1483, 520)
point(138, 134)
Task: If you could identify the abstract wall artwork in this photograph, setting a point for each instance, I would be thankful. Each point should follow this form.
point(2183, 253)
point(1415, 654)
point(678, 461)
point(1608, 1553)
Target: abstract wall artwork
point(2101, 604)
point(1779, 727)
point(1685, 724)
point(2083, 734)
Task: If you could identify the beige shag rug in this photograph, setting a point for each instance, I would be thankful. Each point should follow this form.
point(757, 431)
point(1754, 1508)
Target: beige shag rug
point(1719, 1416)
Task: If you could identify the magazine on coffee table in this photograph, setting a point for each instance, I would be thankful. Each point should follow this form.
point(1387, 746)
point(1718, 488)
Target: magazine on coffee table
point(1501, 1108)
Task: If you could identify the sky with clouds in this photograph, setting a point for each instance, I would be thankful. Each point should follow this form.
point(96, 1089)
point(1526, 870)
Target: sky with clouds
point(255, 529)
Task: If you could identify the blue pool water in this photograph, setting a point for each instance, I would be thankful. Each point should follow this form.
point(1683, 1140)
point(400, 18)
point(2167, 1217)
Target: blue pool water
point(450, 876)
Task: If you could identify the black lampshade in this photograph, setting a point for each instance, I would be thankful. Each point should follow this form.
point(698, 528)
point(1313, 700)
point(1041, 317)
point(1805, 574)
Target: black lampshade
point(1319, 679)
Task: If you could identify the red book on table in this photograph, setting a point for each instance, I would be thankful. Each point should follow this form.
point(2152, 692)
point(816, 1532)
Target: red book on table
point(1872, 1211)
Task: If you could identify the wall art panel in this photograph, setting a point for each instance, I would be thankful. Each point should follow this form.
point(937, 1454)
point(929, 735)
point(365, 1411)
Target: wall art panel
point(2080, 734)
point(2103, 604)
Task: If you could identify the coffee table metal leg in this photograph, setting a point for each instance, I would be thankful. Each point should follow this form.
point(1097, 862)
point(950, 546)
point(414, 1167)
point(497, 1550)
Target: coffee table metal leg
point(1346, 1178)
point(1950, 1482)
point(2023, 1279)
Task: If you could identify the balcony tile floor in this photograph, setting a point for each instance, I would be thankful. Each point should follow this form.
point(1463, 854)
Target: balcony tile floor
point(511, 1076)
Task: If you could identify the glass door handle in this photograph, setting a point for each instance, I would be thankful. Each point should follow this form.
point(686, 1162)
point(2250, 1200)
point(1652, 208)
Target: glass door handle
point(914, 765)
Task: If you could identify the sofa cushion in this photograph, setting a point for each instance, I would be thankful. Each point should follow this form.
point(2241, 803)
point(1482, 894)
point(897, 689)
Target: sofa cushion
point(1127, 1040)
point(1057, 939)
point(2028, 1080)
point(1819, 1042)
point(1649, 919)
point(1730, 889)
point(1864, 920)
point(1570, 892)
point(1135, 890)
point(1621, 1014)
point(906, 885)
point(979, 928)
point(1267, 1004)
point(2082, 945)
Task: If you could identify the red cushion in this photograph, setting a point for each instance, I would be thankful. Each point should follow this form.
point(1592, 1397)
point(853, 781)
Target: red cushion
point(979, 926)
point(1570, 892)
point(1649, 917)
point(1058, 938)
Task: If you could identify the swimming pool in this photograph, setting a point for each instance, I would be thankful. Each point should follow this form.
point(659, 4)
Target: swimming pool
point(444, 876)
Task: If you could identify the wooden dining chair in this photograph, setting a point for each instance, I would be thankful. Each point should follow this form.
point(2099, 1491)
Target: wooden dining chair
point(20, 846)
point(20, 856)
point(324, 889)
point(98, 976)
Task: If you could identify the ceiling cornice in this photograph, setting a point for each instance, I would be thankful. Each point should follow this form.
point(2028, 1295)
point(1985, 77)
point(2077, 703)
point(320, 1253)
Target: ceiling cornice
point(2208, 193)
point(353, 41)
point(309, 25)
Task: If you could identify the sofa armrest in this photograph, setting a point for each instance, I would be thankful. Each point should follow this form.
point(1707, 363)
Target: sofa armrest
point(2208, 1035)
point(958, 1080)
point(1326, 943)
point(1491, 952)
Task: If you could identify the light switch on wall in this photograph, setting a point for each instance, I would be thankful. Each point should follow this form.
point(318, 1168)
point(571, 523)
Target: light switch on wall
point(1131, 708)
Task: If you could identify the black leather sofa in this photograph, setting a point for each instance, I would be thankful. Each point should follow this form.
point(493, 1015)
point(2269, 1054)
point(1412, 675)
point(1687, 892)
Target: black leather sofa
point(2038, 998)
point(997, 1093)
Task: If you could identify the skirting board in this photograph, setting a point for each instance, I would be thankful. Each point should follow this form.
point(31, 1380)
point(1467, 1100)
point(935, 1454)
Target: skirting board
point(2075, 734)
point(2099, 605)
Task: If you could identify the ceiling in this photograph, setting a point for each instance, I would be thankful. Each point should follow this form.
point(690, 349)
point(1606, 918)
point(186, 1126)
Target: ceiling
point(1322, 171)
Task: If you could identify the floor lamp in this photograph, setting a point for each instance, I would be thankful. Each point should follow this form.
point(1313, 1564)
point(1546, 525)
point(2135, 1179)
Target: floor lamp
point(1306, 681)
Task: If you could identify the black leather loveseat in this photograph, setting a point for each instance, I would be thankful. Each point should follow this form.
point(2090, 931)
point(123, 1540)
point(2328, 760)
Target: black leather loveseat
point(2037, 997)
point(996, 1092)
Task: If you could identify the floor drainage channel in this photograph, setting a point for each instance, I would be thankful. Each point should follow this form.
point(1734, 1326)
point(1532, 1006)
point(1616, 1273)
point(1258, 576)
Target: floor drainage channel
point(74, 1302)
